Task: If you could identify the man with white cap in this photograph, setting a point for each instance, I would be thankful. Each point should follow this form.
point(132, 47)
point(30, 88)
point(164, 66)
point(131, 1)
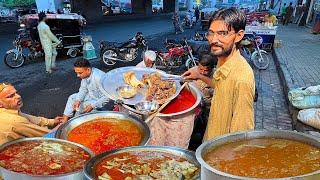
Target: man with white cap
point(149, 59)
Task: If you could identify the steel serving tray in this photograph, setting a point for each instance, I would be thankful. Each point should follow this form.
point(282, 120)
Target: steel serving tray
point(114, 79)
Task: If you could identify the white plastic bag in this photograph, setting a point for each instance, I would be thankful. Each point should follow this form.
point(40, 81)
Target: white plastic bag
point(310, 117)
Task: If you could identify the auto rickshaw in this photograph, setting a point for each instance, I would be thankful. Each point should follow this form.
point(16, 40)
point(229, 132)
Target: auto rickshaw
point(66, 27)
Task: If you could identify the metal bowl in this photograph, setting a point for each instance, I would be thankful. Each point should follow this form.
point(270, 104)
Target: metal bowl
point(147, 107)
point(126, 91)
point(64, 130)
point(90, 167)
point(11, 175)
point(208, 172)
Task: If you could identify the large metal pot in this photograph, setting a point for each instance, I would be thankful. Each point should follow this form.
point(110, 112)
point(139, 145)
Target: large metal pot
point(90, 167)
point(64, 130)
point(11, 175)
point(208, 172)
point(194, 90)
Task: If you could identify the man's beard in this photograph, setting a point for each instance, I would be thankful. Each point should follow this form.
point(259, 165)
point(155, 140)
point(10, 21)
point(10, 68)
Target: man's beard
point(224, 51)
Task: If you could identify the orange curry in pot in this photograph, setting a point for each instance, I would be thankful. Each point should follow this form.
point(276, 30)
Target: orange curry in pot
point(43, 158)
point(106, 134)
point(265, 158)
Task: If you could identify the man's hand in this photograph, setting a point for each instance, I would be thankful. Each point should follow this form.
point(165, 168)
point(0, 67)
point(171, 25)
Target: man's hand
point(192, 73)
point(60, 119)
point(88, 108)
point(76, 105)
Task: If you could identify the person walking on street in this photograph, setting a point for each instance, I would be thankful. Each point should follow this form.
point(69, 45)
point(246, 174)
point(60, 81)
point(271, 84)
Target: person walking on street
point(176, 23)
point(47, 38)
point(197, 14)
point(288, 15)
point(283, 12)
point(233, 81)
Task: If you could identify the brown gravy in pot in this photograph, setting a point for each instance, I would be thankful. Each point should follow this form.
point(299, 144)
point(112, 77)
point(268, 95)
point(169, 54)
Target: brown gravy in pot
point(265, 158)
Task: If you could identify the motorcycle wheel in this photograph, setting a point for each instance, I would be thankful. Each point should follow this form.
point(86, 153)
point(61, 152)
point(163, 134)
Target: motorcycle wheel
point(262, 62)
point(12, 61)
point(190, 64)
point(106, 57)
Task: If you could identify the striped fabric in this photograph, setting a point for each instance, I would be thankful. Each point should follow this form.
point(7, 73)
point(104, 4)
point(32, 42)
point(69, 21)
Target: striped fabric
point(232, 103)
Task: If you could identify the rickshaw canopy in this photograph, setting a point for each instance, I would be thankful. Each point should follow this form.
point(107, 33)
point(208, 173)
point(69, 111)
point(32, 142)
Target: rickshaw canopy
point(30, 18)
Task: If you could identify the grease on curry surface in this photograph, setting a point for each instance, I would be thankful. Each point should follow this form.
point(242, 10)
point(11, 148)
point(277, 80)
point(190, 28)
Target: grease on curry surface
point(106, 134)
point(265, 158)
point(145, 165)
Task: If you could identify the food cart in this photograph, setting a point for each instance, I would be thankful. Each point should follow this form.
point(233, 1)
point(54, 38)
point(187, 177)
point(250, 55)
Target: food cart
point(266, 33)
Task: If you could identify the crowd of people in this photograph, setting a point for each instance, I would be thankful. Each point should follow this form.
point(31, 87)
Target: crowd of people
point(224, 77)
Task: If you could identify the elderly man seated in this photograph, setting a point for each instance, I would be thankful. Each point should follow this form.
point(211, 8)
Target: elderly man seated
point(14, 124)
point(90, 95)
point(149, 59)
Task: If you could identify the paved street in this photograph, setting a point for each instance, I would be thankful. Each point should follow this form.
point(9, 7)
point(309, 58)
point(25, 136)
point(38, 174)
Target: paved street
point(271, 110)
point(298, 63)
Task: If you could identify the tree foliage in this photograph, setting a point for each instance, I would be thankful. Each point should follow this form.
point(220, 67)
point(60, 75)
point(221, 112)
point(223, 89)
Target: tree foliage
point(18, 3)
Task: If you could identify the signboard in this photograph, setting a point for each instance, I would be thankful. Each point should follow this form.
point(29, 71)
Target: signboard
point(46, 5)
point(261, 30)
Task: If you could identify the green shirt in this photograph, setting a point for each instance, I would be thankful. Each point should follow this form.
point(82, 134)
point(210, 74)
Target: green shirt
point(283, 10)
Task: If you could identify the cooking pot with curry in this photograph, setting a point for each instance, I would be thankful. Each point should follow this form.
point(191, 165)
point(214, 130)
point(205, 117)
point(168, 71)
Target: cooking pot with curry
point(260, 155)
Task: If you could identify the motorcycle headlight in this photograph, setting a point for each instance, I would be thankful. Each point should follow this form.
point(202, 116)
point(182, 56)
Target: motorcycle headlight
point(14, 43)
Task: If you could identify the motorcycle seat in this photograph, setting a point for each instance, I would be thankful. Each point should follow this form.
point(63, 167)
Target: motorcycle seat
point(111, 44)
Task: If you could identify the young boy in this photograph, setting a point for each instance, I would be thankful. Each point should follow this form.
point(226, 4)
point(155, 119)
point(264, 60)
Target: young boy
point(206, 67)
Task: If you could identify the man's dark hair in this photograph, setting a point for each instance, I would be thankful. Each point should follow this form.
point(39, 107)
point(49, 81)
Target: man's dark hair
point(41, 15)
point(284, 4)
point(208, 60)
point(233, 17)
point(82, 63)
point(290, 3)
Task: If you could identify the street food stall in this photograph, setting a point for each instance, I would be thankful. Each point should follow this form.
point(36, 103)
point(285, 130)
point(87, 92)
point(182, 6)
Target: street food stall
point(267, 35)
point(115, 145)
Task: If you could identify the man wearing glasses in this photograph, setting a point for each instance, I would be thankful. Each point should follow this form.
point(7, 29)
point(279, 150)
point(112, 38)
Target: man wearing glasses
point(13, 123)
point(233, 82)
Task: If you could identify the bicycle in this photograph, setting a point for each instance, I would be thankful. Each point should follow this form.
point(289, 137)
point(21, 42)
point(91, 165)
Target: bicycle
point(251, 51)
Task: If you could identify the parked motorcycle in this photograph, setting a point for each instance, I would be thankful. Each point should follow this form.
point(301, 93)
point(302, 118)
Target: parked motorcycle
point(15, 57)
point(177, 54)
point(189, 21)
point(250, 49)
point(111, 52)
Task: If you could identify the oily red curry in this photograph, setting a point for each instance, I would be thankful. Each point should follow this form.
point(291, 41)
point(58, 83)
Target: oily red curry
point(265, 158)
point(182, 102)
point(106, 134)
point(145, 165)
point(43, 158)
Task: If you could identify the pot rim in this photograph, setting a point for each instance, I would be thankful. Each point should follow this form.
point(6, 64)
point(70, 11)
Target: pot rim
point(246, 134)
point(89, 168)
point(46, 139)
